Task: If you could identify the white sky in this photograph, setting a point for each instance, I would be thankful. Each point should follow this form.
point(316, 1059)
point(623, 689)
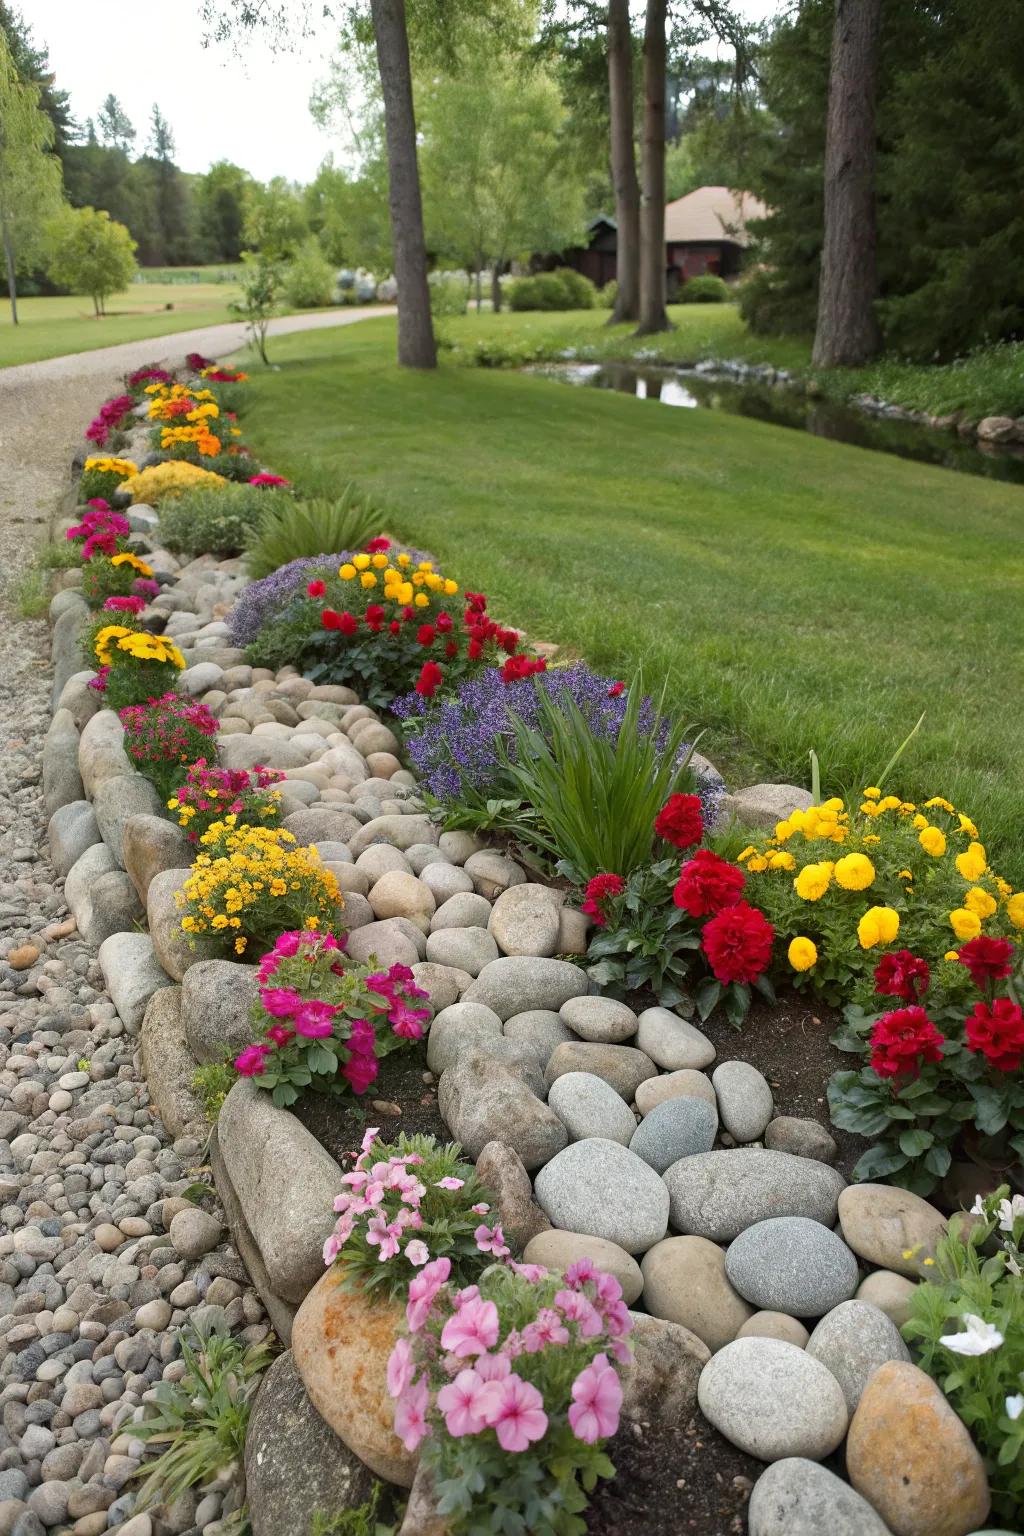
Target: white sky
point(251, 107)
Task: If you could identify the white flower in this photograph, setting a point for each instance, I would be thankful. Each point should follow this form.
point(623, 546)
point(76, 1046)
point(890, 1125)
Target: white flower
point(1009, 1210)
point(979, 1338)
point(978, 1208)
point(1015, 1406)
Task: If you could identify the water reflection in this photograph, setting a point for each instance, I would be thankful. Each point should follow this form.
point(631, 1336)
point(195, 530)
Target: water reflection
point(789, 408)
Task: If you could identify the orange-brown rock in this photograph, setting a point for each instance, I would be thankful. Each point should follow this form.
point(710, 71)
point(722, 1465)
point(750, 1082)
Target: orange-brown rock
point(341, 1342)
point(910, 1456)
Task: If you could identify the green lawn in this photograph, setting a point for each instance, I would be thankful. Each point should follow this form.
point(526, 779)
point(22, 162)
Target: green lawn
point(796, 593)
point(52, 327)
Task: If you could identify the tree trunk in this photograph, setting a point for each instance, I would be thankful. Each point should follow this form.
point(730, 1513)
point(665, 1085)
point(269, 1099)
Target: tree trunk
point(416, 347)
point(12, 286)
point(847, 330)
point(653, 315)
point(496, 287)
point(623, 159)
point(479, 286)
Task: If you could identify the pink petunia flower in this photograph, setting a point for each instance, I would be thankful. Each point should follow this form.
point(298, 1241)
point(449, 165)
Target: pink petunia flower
point(422, 1290)
point(417, 1251)
point(492, 1240)
point(492, 1367)
point(379, 1231)
point(462, 1402)
point(597, 1398)
point(472, 1329)
point(400, 1367)
point(576, 1308)
point(411, 1414)
point(515, 1410)
point(547, 1328)
point(449, 1183)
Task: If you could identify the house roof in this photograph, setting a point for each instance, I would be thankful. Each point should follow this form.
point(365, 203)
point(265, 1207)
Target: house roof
point(712, 213)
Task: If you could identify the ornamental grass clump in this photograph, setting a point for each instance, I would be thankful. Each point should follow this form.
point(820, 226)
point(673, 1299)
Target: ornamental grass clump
point(843, 885)
point(406, 1205)
point(164, 734)
point(249, 883)
point(327, 1020)
point(210, 794)
point(134, 666)
point(102, 476)
point(967, 1327)
point(943, 1074)
point(509, 1389)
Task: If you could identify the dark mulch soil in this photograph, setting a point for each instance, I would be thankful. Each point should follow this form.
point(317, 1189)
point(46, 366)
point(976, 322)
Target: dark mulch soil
point(669, 1483)
point(338, 1120)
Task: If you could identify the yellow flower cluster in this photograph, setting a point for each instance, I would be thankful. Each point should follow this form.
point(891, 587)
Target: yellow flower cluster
point(107, 466)
point(137, 644)
point(138, 566)
point(166, 397)
point(924, 866)
point(207, 442)
point(169, 479)
point(251, 883)
point(401, 584)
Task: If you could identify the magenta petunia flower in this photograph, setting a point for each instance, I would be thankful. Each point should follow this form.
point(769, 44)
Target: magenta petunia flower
point(315, 1020)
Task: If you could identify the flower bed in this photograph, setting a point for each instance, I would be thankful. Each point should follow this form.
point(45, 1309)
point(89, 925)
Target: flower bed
point(562, 1050)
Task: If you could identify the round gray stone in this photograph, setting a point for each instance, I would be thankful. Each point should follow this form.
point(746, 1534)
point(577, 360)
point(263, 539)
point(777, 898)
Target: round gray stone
point(467, 949)
point(600, 1020)
point(792, 1264)
point(588, 1106)
point(772, 1400)
point(853, 1340)
point(540, 1028)
point(719, 1194)
point(745, 1103)
point(465, 909)
point(519, 983)
point(797, 1497)
point(602, 1189)
point(524, 920)
point(457, 1029)
point(674, 1129)
point(671, 1042)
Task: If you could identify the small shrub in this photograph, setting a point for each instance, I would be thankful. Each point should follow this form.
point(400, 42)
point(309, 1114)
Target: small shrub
point(213, 1082)
point(293, 530)
point(134, 666)
point(101, 477)
point(707, 289)
point(562, 289)
point(158, 481)
point(607, 295)
point(581, 291)
point(309, 277)
point(165, 733)
point(215, 521)
point(201, 1419)
point(210, 794)
point(449, 294)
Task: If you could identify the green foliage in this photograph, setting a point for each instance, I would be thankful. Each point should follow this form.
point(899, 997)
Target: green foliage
point(976, 1275)
point(357, 1522)
point(647, 943)
point(262, 280)
point(30, 183)
point(275, 220)
point(289, 530)
point(564, 289)
point(309, 277)
point(30, 595)
point(706, 289)
point(200, 1421)
point(449, 294)
point(589, 804)
point(607, 295)
point(213, 1082)
point(212, 521)
point(90, 253)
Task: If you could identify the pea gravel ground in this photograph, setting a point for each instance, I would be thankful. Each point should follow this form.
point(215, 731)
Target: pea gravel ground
point(93, 1284)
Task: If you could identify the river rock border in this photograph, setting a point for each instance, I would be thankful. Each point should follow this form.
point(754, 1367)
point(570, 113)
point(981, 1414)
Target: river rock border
point(600, 1129)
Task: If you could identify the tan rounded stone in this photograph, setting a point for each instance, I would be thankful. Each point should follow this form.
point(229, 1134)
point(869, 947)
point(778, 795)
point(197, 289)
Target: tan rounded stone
point(341, 1342)
point(397, 894)
point(912, 1459)
point(775, 1325)
point(382, 764)
point(685, 1084)
point(557, 1249)
point(890, 1293)
point(890, 1227)
point(23, 956)
point(685, 1282)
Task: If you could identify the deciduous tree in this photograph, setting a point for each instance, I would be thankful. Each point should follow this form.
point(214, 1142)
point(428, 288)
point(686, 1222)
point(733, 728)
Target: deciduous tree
point(30, 182)
point(90, 253)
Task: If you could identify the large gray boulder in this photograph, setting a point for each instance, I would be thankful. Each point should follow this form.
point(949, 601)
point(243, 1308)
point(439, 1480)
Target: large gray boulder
point(520, 983)
point(72, 829)
point(101, 753)
point(164, 918)
point(170, 1067)
point(772, 1400)
point(149, 845)
point(62, 782)
point(790, 1264)
point(797, 1497)
point(719, 1194)
point(217, 1002)
point(132, 974)
point(485, 1099)
point(115, 800)
point(601, 1188)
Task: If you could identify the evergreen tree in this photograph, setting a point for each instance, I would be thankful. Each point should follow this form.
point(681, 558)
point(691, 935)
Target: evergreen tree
point(32, 65)
point(115, 127)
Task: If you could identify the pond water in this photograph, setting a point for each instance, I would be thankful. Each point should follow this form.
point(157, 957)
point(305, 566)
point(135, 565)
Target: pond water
point(693, 389)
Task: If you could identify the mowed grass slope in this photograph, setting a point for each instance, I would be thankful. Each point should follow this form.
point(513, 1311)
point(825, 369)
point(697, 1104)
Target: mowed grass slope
point(52, 327)
point(796, 593)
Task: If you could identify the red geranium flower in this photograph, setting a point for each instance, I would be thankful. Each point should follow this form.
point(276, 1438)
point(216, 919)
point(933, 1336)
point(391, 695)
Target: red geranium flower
point(377, 546)
point(902, 975)
point(330, 618)
point(268, 482)
point(316, 589)
point(997, 1031)
point(444, 622)
point(902, 1041)
point(425, 634)
point(349, 623)
point(451, 650)
point(600, 889)
point(616, 689)
point(986, 959)
point(395, 627)
point(708, 884)
point(518, 667)
point(375, 617)
point(429, 680)
point(680, 821)
point(738, 943)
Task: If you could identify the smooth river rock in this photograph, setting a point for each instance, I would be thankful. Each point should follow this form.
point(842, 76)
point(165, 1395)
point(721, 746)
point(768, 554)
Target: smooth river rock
point(772, 1400)
point(588, 1106)
point(600, 1188)
point(719, 1194)
point(882, 1224)
point(517, 983)
point(796, 1497)
point(601, 1020)
point(524, 920)
point(671, 1042)
point(853, 1340)
point(677, 1128)
point(557, 1249)
point(685, 1281)
point(623, 1066)
point(745, 1103)
point(791, 1264)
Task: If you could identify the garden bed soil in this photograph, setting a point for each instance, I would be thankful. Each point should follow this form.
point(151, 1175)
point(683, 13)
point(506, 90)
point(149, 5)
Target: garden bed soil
point(339, 1120)
point(673, 1481)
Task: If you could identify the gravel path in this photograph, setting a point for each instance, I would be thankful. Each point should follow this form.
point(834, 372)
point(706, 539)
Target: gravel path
point(92, 1282)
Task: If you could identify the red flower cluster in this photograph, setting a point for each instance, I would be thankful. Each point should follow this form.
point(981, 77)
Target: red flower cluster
point(111, 414)
point(378, 545)
point(707, 884)
point(430, 679)
point(316, 588)
point(902, 975)
point(902, 1041)
point(997, 1031)
point(986, 959)
point(263, 481)
point(100, 530)
point(738, 943)
point(346, 623)
point(480, 628)
point(517, 667)
point(197, 362)
point(148, 375)
point(600, 889)
point(680, 821)
point(616, 690)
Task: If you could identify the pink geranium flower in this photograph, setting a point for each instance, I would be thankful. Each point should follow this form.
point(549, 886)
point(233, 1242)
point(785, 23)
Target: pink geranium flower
point(411, 1415)
point(463, 1402)
point(422, 1290)
point(472, 1329)
point(449, 1183)
point(385, 1234)
point(492, 1240)
point(597, 1398)
point(417, 1251)
point(400, 1367)
point(250, 1062)
point(515, 1411)
point(315, 1020)
point(280, 1002)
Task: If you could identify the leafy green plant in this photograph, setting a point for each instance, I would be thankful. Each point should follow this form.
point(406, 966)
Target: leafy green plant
point(592, 801)
point(261, 294)
point(563, 289)
point(291, 530)
point(201, 1420)
point(706, 289)
point(309, 277)
point(362, 1521)
point(30, 594)
point(647, 943)
point(213, 1081)
point(216, 521)
point(967, 1323)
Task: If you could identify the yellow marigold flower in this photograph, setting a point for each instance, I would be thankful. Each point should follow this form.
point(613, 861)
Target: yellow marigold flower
point(757, 864)
point(1003, 886)
point(312, 922)
point(748, 850)
point(451, 587)
point(418, 579)
point(967, 825)
point(367, 579)
point(965, 924)
point(933, 842)
point(425, 565)
point(952, 954)
point(979, 901)
point(889, 803)
point(802, 954)
point(189, 924)
point(872, 837)
point(278, 887)
point(973, 863)
point(879, 925)
point(1015, 910)
point(920, 822)
point(872, 792)
point(905, 874)
point(127, 558)
point(781, 861)
point(404, 561)
point(907, 808)
point(783, 831)
point(240, 945)
point(405, 593)
point(938, 800)
point(379, 561)
point(361, 562)
point(855, 872)
point(867, 809)
point(421, 600)
point(813, 881)
point(347, 572)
